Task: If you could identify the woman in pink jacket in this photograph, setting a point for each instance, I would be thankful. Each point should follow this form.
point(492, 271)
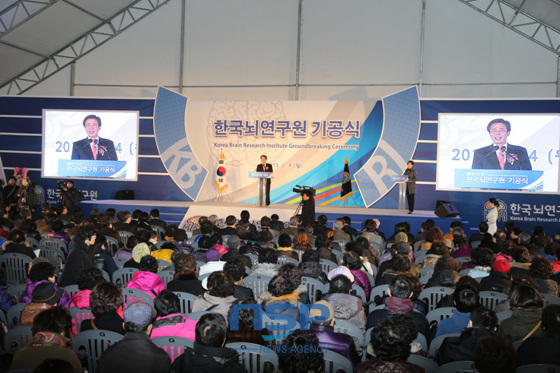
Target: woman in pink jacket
point(170, 322)
point(146, 278)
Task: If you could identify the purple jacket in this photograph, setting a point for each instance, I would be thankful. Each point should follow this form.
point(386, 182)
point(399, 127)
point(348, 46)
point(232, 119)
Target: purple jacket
point(340, 343)
point(63, 236)
point(362, 280)
point(26, 297)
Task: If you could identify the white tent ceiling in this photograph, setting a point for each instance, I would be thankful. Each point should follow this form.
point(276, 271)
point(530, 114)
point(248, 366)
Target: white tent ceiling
point(39, 37)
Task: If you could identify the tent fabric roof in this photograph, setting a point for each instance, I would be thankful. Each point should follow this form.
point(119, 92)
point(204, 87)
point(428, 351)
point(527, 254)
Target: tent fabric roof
point(35, 31)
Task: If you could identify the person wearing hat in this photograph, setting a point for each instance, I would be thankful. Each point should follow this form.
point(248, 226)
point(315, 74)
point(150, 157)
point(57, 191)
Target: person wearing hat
point(499, 278)
point(322, 325)
point(39, 273)
point(44, 296)
point(233, 243)
point(135, 352)
point(138, 252)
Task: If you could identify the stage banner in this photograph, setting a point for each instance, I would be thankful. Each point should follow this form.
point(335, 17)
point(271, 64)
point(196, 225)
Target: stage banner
point(305, 142)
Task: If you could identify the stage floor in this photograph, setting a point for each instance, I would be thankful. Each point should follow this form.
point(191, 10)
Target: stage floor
point(174, 212)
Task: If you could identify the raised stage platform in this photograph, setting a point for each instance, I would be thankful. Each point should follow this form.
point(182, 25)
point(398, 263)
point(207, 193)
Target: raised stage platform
point(174, 212)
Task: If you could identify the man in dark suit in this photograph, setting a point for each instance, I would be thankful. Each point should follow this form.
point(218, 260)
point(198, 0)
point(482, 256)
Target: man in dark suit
point(94, 147)
point(265, 167)
point(501, 155)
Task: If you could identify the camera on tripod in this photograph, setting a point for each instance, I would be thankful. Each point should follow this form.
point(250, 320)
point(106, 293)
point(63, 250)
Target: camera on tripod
point(304, 189)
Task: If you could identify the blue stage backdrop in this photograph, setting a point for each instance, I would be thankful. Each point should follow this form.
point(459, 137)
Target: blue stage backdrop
point(190, 151)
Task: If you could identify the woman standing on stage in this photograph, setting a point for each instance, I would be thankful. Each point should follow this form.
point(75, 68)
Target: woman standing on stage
point(410, 185)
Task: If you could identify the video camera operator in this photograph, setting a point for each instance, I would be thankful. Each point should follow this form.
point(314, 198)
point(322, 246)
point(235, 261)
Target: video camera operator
point(70, 196)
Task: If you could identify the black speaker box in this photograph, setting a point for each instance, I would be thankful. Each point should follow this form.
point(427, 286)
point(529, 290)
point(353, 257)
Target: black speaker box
point(446, 210)
point(124, 194)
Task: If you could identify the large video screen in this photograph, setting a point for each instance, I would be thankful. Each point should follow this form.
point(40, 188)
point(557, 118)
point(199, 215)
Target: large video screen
point(90, 144)
point(498, 152)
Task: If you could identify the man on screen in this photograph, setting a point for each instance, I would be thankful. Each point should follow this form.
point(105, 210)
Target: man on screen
point(501, 155)
point(94, 147)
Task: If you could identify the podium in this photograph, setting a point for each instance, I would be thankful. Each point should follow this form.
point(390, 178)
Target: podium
point(262, 176)
point(401, 179)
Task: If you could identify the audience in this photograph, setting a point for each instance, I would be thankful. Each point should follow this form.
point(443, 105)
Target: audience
point(496, 262)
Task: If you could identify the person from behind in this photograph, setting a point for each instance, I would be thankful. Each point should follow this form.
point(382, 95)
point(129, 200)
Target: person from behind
point(209, 354)
point(390, 344)
point(543, 350)
point(310, 360)
point(135, 352)
point(52, 339)
point(483, 324)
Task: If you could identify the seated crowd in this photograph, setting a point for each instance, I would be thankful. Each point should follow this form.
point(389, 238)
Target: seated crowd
point(355, 286)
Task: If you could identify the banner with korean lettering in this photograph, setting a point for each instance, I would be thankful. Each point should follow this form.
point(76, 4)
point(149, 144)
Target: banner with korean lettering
point(305, 142)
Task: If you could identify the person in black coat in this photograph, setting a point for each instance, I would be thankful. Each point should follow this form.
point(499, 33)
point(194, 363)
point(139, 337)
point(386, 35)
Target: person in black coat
point(185, 278)
point(308, 208)
point(236, 269)
point(482, 324)
point(499, 278)
point(543, 350)
point(17, 236)
point(80, 257)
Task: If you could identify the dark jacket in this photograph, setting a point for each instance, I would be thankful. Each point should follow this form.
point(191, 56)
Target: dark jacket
point(242, 292)
point(108, 321)
point(186, 282)
point(79, 258)
point(313, 270)
point(235, 254)
point(203, 359)
point(445, 277)
point(462, 347)
point(496, 281)
point(382, 366)
point(134, 353)
point(521, 322)
point(539, 350)
point(20, 248)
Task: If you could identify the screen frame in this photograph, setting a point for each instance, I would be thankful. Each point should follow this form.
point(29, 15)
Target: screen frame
point(83, 113)
point(507, 117)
